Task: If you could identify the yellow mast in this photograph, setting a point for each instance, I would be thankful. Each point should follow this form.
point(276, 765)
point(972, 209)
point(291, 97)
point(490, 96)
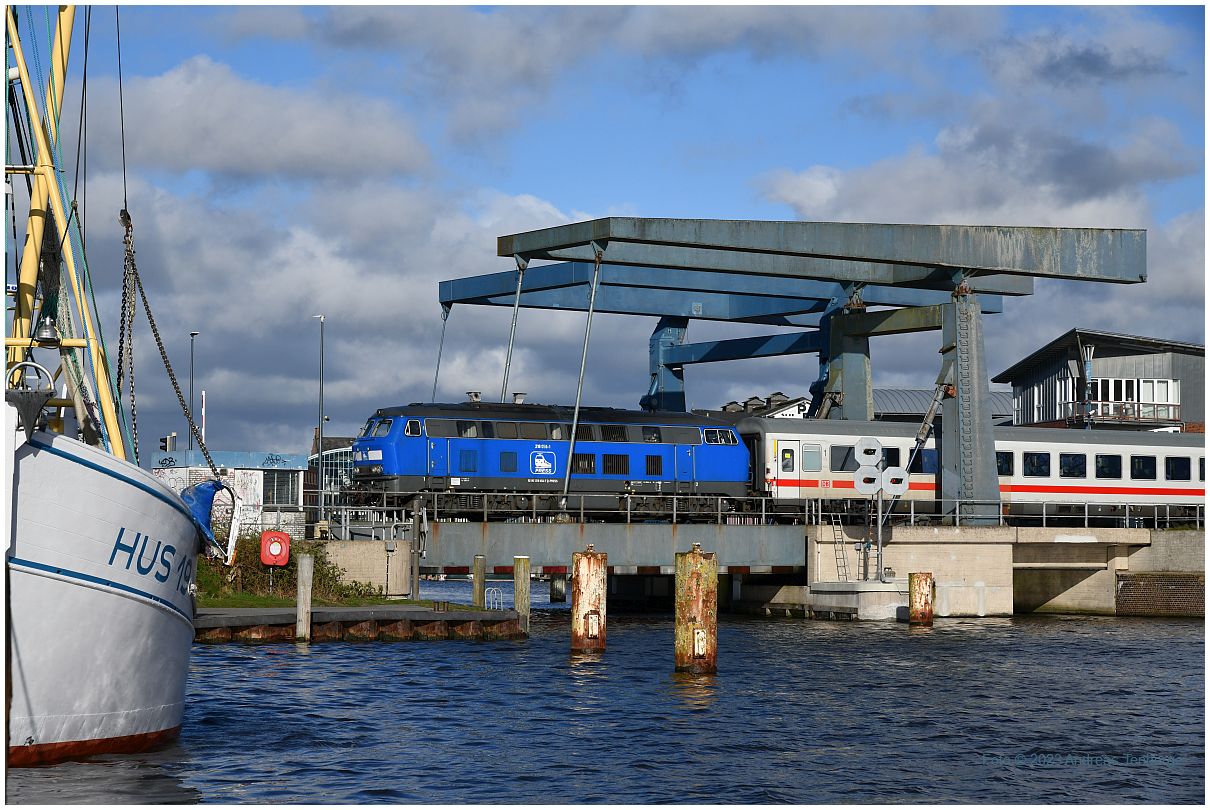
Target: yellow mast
point(46, 180)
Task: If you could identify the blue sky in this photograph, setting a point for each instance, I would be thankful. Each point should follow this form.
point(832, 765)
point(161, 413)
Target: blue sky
point(286, 161)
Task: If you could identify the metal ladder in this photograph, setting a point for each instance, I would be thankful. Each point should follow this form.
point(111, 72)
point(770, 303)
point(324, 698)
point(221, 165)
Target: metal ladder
point(838, 543)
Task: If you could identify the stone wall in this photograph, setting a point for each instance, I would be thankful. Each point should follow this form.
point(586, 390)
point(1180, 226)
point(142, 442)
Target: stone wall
point(369, 562)
point(1161, 594)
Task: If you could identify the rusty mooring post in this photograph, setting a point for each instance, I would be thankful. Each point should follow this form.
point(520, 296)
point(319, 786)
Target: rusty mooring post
point(479, 575)
point(558, 587)
point(588, 572)
point(920, 598)
point(302, 616)
point(696, 634)
point(521, 591)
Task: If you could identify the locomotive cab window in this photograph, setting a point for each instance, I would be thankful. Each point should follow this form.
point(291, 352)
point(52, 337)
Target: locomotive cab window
point(680, 435)
point(384, 427)
point(812, 458)
point(1036, 465)
point(843, 458)
point(1178, 468)
point(1142, 468)
point(365, 432)
point(1073, 465)
point(506, 430)
point(412, 428)
point(1108, 466)
point(711, 436)
point(1004, 462)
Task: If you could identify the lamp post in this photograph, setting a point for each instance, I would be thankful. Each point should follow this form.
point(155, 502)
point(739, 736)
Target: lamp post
point(192, 336)
point(319, 461)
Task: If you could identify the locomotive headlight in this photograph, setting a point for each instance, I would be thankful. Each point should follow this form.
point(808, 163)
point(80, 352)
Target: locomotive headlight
point(375, 469)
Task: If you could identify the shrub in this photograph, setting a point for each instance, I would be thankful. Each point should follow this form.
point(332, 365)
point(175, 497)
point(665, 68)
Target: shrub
point(248, 575)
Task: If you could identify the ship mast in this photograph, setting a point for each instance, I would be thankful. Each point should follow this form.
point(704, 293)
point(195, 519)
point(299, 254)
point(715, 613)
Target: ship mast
point(47, 199)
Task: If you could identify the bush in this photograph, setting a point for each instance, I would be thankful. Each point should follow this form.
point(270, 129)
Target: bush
point(249, 575)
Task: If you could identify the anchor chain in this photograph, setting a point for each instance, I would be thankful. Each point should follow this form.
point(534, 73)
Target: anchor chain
point(137, 285)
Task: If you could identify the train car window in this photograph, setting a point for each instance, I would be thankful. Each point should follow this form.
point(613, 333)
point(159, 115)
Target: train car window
point(441, 428)
point(655, 465)
point(1035, 465)
point(613, 433)
point(843, 458)
point(584, 464)
point(1004, 462)
point(1142, 468)
point(616, 464)
point(506, 430)
point(468, 430)
point(681, 435)
point(787, 459)
point(366, 430)
point(890, 457)
point(412, 428)
point(586, 433)
point(534, 430)
point(1201, 469)
point(1108, 466)
point(508, 462)
point(924, 463)
point(487, 430)
point(468, 461)
point(651, 435)
point(1179, 468)
point(384, 427)
point(812, 458)
point(1073, 465)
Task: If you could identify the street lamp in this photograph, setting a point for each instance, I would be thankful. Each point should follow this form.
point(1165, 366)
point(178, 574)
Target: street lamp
point(192, 336)
point(320, 447)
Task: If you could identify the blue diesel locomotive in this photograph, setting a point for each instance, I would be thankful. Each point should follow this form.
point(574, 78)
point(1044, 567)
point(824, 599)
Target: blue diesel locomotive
point(498, 447)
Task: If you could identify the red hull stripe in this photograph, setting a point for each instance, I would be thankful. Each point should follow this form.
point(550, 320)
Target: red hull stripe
point(25, 756)
point(502, 569)
point(1060, 489)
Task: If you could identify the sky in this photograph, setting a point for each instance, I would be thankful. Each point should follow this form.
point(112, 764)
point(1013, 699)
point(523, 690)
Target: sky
point(286, 161)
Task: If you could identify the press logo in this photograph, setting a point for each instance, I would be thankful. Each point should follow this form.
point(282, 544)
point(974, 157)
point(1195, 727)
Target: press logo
point(541, 463)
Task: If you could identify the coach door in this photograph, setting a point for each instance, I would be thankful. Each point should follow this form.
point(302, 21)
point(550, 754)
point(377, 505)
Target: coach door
point(684, 468)
point(785, 469)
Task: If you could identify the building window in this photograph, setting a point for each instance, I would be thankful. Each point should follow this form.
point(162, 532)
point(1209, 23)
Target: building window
point(1036, 465)
point(1177, 469)
point(1004, 463)
point(1142, 468)
point(1109, 466)
point(280, 488)
point(1073, 465)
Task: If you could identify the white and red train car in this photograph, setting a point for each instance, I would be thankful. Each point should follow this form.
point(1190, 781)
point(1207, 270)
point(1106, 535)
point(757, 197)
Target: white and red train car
point(796, 459)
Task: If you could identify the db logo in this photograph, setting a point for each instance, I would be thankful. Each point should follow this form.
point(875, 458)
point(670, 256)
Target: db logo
point(274, 548)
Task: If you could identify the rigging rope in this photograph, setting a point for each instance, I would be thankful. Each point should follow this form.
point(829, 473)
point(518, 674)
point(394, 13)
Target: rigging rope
point(133, 271)
point(121, 107)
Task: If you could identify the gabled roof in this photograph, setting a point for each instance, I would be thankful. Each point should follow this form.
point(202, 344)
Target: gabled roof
point(1068, 345)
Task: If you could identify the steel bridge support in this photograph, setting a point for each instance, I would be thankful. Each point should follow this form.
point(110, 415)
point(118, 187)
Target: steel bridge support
point(667, 389)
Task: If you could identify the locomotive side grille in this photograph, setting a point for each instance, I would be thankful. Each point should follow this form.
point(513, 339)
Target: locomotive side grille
point(655, 465)
point(584, 464)
point(616, 464)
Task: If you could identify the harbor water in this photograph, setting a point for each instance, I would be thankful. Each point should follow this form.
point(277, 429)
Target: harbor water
point(1024, 709)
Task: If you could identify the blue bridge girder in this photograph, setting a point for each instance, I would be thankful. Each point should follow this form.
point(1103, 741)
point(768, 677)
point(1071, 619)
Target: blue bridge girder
point(700, 295)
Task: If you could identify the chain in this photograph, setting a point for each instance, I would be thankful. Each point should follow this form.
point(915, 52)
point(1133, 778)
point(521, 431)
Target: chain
point(126, 329)
point(176, 386)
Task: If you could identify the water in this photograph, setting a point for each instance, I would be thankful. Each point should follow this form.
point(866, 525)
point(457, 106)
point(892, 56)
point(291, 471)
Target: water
point(1029, 709)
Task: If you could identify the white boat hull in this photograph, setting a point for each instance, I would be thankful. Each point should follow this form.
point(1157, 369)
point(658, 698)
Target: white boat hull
point(100, 566)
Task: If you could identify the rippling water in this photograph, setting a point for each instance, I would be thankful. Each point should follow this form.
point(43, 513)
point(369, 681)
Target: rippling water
point(1029, 709)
